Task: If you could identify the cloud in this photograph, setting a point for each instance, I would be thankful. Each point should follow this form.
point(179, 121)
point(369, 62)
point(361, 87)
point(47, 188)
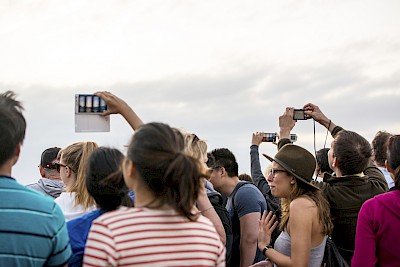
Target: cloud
point(221, 70)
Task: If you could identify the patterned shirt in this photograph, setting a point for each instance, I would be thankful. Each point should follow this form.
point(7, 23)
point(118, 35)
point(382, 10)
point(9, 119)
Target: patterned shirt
point(32, 228)
point(146, 237)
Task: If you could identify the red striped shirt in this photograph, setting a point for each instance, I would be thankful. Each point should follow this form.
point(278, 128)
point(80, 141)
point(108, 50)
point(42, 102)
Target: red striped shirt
point(145, 237)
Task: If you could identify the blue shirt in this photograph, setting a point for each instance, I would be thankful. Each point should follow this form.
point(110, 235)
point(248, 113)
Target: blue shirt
point(247, 199)
point(78, 230)
point(33, 231)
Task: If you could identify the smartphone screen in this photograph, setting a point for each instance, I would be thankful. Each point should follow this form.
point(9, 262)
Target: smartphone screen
point(269, 137)
point(90, 104)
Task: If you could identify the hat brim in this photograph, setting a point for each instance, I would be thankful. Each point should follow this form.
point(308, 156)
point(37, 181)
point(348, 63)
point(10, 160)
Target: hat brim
point(287, 168)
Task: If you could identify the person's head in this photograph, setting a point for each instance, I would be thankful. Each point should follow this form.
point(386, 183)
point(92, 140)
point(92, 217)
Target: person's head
point(72, 168)
point(292, 171)
point(159, 171)
point(12, 128)
point(393, 159)
point(322, 162)
point(222, 164)
point(195, 147)
point(245, 177)
point(48, 163)
point(350, 153)
point(105, 181)
point(379, 147)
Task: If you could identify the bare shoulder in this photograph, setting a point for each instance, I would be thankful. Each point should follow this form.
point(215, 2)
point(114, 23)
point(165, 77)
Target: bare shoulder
point(302, 203)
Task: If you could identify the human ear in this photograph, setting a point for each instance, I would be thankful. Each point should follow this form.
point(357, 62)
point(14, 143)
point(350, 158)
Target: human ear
point(334, 162)
point(128, 171)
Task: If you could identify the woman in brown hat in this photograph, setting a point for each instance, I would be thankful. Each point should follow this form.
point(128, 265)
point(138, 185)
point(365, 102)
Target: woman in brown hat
point(305, 221)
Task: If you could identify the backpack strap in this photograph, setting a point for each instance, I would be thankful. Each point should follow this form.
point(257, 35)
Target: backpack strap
point(239, 185)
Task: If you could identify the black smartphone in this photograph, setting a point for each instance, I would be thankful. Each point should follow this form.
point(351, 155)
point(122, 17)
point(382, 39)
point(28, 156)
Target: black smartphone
point(90, 104)
point(269, 137)
point(298, 114)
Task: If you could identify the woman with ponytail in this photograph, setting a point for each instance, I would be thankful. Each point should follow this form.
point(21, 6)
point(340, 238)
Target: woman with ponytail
point(377, 233)
point(75, 201)
point(164, 228)
point(105, 183)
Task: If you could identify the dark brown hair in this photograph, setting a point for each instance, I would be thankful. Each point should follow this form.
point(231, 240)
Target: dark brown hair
point(12, 125)
point(104, 179)
point(393, 158)
point(157, 151)
point(379, 147)
point(352, 151)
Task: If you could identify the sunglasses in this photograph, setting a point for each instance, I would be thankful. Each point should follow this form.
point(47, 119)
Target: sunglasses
point(59, 165)
point(195, 138)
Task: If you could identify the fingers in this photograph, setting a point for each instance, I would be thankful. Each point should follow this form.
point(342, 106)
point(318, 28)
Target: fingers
point(257, 138)
point(260, 264)
point(264, 215)
point(274, 226)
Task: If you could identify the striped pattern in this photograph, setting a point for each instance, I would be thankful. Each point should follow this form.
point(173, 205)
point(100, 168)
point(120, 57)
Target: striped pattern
point(144, 237)
point(32, 228)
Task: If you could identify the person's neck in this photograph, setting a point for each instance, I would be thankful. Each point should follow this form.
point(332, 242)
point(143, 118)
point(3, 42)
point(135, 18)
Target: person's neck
point(5, 169)
point(146, 199)
point(230, 185)
point(53, 178)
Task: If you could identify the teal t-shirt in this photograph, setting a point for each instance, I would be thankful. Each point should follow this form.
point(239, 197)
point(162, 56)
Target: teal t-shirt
point(32, 228)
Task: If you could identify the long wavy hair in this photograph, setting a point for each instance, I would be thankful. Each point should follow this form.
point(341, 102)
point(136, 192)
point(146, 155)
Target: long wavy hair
point(302, 190)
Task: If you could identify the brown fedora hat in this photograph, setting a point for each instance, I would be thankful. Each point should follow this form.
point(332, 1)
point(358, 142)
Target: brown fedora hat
point(297, 161)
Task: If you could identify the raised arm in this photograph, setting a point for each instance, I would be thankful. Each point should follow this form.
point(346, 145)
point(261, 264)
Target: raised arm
point(116, 105)
point(315, 112)
point(286, 124)
point(256, 173)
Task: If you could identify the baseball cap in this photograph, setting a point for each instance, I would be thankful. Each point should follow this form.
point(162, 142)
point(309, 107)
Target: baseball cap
point(48, 156)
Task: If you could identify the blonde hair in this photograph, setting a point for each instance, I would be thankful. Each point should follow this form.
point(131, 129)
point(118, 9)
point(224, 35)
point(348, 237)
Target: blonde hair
point(316, 196)
point(76, 157)
point(268, 170)
point(194, 146)
point(197, 149)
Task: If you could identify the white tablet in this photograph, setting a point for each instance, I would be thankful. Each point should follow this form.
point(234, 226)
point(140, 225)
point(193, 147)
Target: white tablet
point(88, 118)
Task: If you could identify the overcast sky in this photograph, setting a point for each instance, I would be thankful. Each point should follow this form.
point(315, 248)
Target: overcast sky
point(220, 69)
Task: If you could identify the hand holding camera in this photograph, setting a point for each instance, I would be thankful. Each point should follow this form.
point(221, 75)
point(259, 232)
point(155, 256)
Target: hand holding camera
point(313, 111)
point(286, 123)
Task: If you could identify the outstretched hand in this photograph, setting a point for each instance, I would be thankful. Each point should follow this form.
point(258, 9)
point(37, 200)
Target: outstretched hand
point(268, 224)
point(115, 105)
point(286, 123)
point(315, 112)
point(257, 138)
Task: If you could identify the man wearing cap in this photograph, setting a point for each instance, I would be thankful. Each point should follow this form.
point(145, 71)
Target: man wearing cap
point(32, 226)
point(50, 183)
point(245, 205)
point(355, 177)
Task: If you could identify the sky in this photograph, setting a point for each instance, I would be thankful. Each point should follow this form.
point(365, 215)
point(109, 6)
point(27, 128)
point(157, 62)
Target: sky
point(219, 69)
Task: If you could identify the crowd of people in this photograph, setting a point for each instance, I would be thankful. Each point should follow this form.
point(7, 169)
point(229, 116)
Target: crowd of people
point(170, 201)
